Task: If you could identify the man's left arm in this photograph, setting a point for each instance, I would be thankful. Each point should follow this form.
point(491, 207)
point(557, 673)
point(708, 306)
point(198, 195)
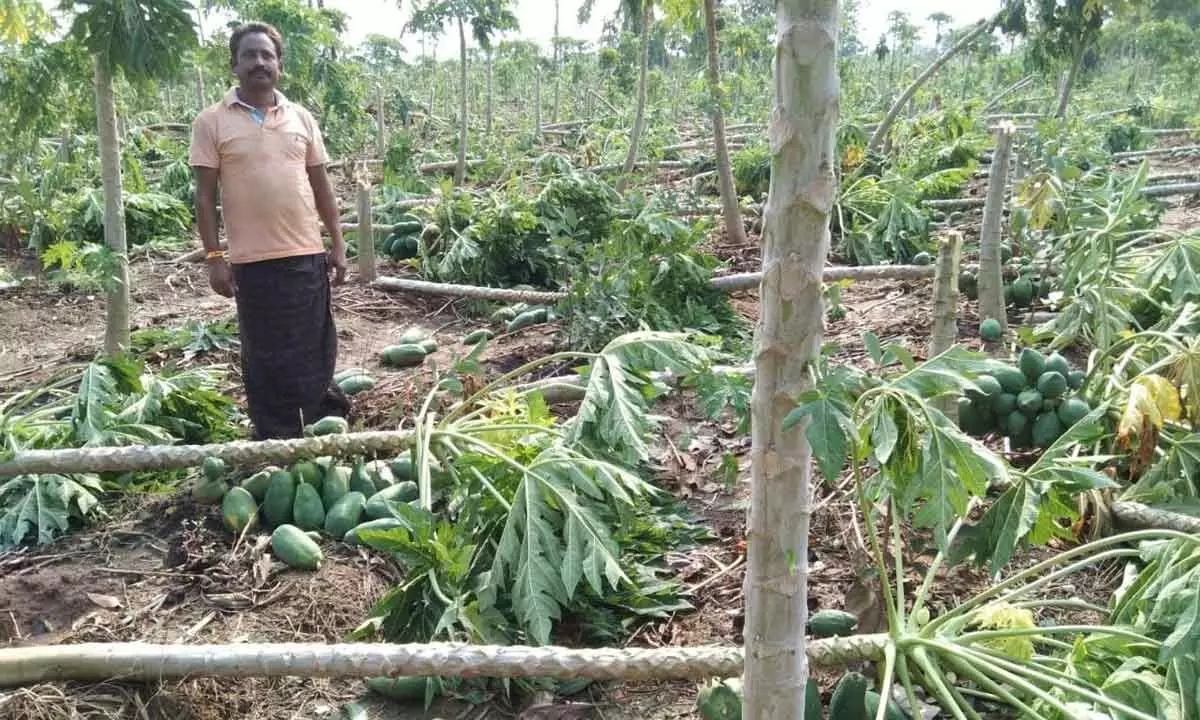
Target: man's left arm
point(322, 187)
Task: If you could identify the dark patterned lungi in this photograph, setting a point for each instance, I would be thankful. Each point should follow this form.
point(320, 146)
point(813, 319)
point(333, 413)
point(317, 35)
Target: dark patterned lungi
point(289, 344)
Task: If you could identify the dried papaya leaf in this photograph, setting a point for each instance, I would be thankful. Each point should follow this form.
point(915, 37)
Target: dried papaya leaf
point(1141, 412)
point(1165, 397)
point(1153, 401)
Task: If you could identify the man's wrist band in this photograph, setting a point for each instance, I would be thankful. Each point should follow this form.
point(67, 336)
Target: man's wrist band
point(214, 254)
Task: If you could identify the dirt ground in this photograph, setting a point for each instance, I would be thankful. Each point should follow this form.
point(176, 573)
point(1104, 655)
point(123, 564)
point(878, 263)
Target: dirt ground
point(163, 569)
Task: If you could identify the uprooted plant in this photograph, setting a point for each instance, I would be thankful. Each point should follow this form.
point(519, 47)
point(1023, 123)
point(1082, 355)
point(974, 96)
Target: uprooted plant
point(527, 523)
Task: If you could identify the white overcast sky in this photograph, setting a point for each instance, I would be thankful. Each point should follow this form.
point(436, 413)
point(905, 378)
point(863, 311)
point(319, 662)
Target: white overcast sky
point(537, 18)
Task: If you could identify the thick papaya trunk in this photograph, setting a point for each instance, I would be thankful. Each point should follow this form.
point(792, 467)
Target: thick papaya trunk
point(788, 338)
point(116, 329)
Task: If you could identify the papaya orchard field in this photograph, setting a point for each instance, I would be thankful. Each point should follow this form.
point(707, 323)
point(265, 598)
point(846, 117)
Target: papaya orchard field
point(600, 399)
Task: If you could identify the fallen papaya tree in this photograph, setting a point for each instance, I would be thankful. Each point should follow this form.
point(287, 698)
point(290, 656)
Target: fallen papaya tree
point(729, 283)
point(147, 661)
point(135, 458)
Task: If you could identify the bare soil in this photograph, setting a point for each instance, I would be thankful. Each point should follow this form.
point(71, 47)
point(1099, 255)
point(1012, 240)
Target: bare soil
point(163, 569)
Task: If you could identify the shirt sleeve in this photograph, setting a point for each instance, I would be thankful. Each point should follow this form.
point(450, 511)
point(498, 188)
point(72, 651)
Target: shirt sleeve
point(316, 148)
point(203, 150)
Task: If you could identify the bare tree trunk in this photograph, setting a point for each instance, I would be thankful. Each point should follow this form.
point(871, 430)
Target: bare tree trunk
point(944, 334)
point(1064, 97)
point(537, 103)
point(639, 117)
point(894, 112)
point(201, 96)
point(787, 340)
point(201, 100)
point(460, 171)
point(381, 139)
point(366, 230)
point(488, 111)
point(116, 330)
point(991, 282)
point(65, 144)
point(557, 67)
point(729, 197)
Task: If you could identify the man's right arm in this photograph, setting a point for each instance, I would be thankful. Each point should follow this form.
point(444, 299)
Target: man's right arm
point(206, 162)
point(206, 207)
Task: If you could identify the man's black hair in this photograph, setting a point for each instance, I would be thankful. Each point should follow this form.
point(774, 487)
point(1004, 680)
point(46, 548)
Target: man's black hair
point(255, 27)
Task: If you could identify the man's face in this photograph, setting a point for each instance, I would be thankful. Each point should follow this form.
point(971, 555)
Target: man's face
point(257, 65)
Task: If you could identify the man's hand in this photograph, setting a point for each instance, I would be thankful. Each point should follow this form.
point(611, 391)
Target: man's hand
point(337, 263)
point(220, 277)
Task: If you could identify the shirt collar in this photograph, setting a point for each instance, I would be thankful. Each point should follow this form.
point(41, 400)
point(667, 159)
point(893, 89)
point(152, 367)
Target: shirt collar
point(231, 98)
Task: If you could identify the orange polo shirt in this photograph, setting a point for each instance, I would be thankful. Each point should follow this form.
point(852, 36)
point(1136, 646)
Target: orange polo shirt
point(266, 201)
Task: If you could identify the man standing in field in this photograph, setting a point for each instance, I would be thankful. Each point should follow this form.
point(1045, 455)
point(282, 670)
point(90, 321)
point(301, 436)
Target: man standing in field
point(268, 158)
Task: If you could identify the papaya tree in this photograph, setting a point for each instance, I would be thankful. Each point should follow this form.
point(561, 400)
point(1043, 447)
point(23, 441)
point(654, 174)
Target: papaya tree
point(939, 20)
point(636, 16)
point(1062, 30)
point(486, 18)
point(684, 14)
point(786, 345)
point(141, 40)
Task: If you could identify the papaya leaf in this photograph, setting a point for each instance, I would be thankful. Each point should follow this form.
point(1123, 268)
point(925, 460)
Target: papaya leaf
point(954, 467)
point(1172, 474)
point(829, 430)
point(44, 505)
point(1136, 683)
point(1183, 639)
point(613, 419)
point(994, 538)
point(951, 372)
point(884, 435)
point(1153, 401)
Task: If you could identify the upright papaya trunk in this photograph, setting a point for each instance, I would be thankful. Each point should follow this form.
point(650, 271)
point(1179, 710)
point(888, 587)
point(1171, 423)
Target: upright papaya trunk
point(787, 340)
point(639, 116)
point(201, 95)
point(537, 103)
point(557, 67)
point(488, 112)
point(116, 329)
point(460, 170)
point(1064, 97)
point(729, 198)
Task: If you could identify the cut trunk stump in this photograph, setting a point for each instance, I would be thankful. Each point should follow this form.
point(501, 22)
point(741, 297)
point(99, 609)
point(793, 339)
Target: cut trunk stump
point(945, 308)
point(366, 234)
point(991, 280)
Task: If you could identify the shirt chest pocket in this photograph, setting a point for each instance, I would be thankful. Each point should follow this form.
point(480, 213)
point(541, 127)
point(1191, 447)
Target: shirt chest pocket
point(291, 145)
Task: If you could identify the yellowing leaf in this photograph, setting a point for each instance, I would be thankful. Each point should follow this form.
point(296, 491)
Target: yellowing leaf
point(853, 156)
point(1003, 616)
point(1153, 401)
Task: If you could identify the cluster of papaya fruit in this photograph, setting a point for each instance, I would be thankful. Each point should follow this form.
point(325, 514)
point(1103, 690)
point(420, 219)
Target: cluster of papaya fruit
point(1029, 283)
point(309, 500)
point(1032, 403)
